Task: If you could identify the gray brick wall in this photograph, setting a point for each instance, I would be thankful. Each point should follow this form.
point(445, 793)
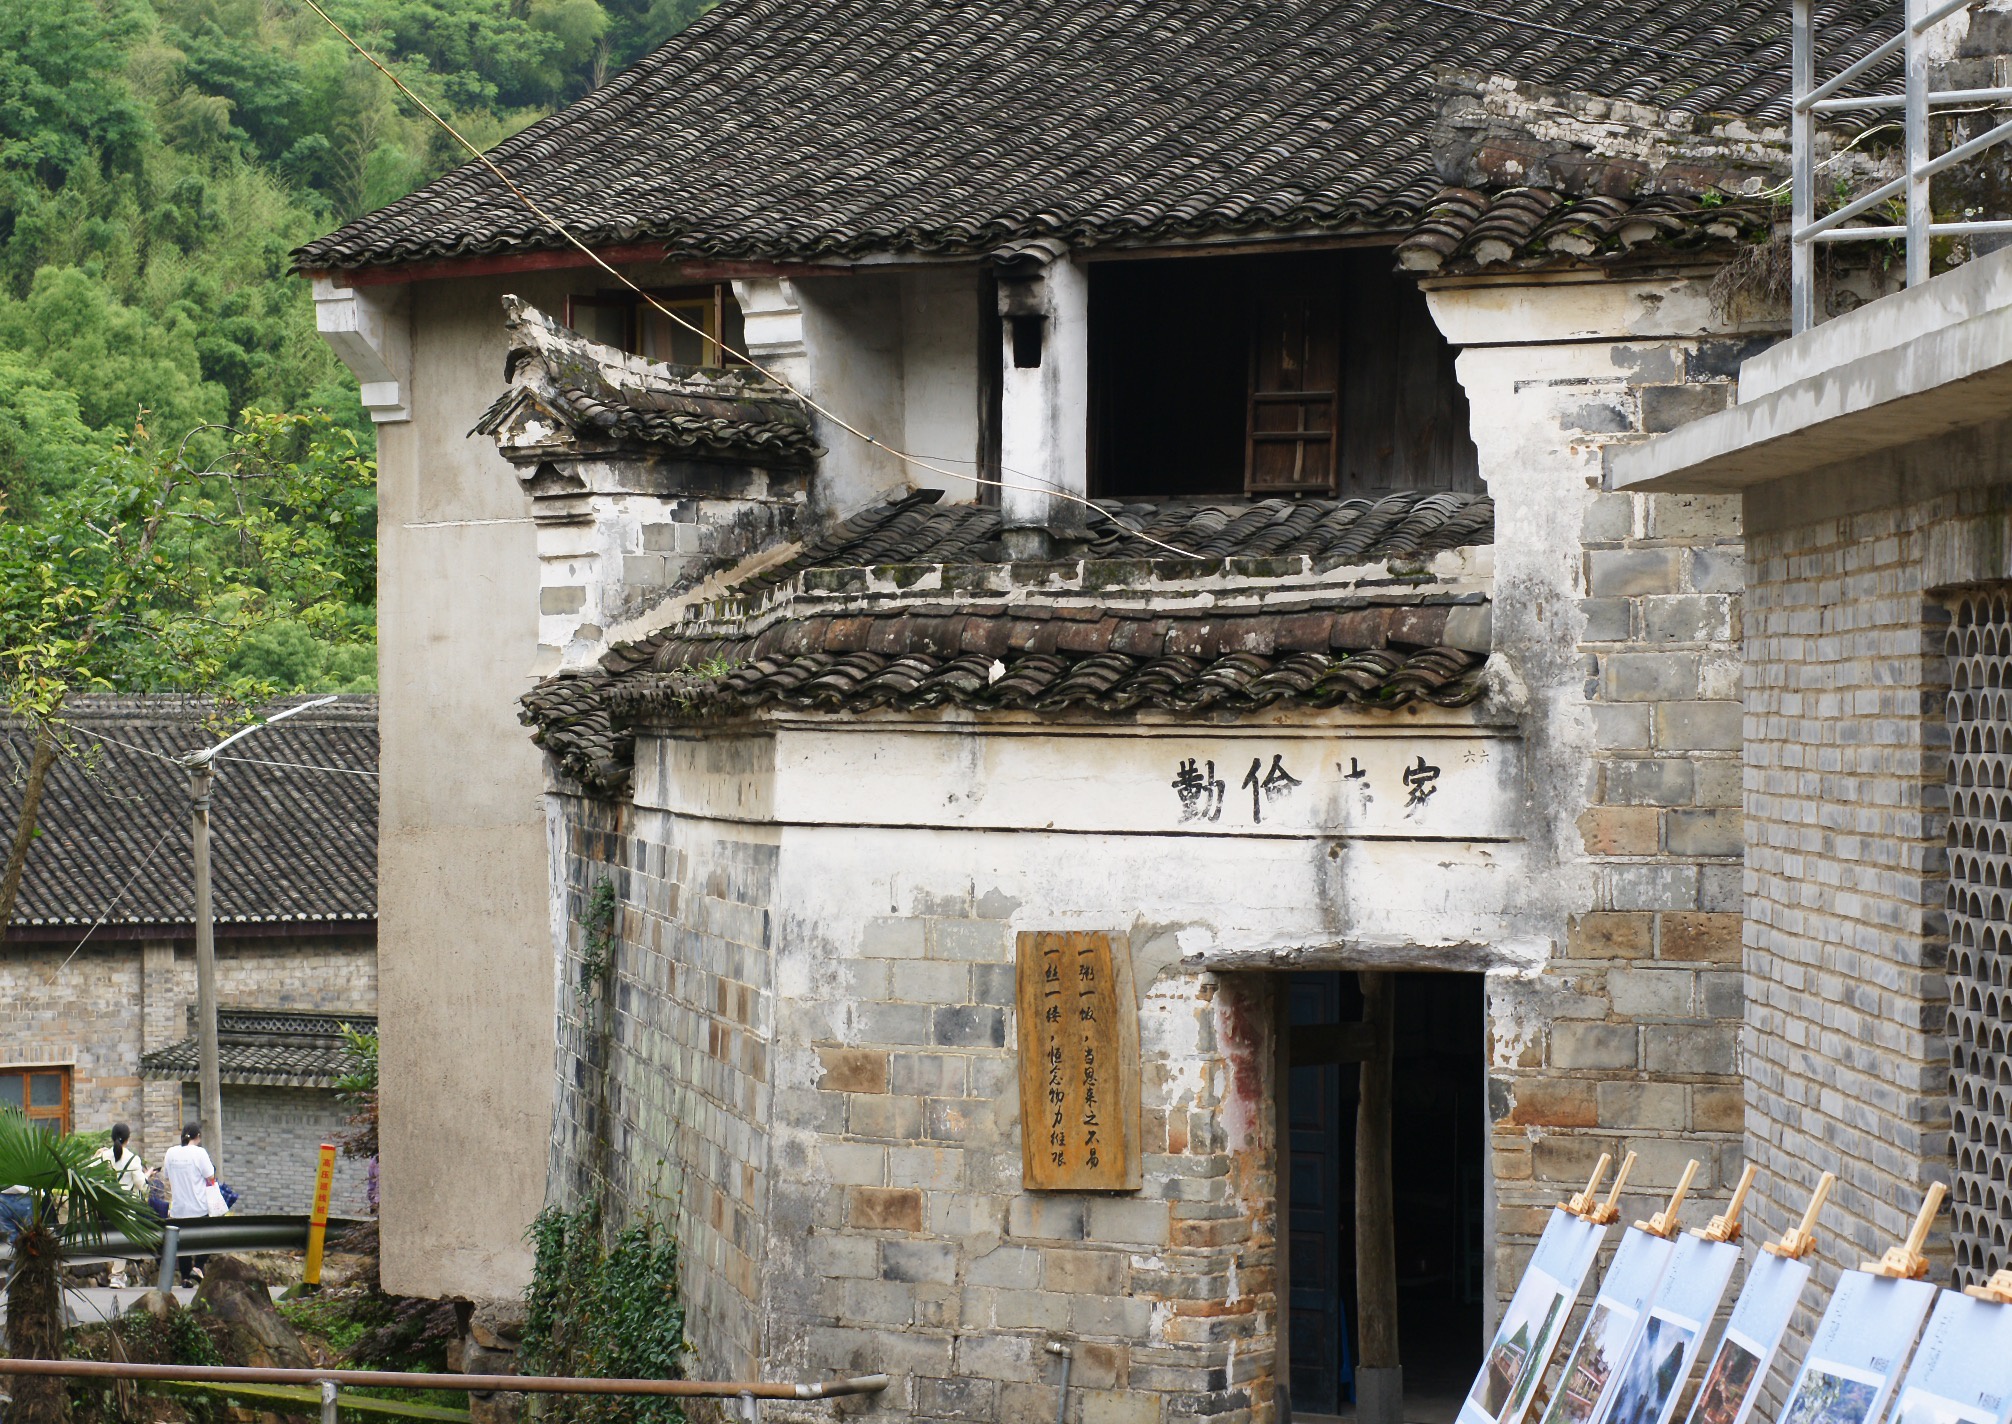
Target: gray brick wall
point(273, 1138)
point(1846, 874)
point(118, 999)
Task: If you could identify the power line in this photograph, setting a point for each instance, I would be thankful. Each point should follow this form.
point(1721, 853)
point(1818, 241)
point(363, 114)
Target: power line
point(1040, 487)
point(143, 751)
point(117, 898)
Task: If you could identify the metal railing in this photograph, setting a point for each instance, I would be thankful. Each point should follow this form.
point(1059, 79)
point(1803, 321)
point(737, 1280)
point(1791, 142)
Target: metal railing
point(331, 1382)
point(1917, 103)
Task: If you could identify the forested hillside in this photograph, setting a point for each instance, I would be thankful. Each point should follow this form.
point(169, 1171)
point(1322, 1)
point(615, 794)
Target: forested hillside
point(158, 162)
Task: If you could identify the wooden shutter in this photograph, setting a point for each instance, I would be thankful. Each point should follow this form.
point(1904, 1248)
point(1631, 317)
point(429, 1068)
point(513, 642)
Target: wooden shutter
point(1289, 435)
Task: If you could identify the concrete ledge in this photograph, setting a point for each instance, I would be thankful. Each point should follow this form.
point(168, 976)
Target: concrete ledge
point(1905, 368)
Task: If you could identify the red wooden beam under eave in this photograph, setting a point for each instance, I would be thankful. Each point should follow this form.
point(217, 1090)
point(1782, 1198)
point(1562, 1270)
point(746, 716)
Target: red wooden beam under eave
point(499, 263)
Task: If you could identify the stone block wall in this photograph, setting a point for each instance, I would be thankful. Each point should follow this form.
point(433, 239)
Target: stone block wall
point(664, 1085)
point(1619, 617)
point(841, 1161)
point(922, 1244)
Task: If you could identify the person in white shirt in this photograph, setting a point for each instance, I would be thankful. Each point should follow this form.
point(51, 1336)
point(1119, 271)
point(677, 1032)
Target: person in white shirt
point(132, 1174)
point(190, 1174)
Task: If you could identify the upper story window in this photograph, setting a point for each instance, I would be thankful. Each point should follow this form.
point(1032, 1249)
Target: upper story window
point(623, 320)
point(1320, 373)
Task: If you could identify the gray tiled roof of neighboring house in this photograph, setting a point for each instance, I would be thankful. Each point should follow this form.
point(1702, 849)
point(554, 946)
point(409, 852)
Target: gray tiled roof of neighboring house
point(293, 819)
point(267, 1048)
point(771, 129)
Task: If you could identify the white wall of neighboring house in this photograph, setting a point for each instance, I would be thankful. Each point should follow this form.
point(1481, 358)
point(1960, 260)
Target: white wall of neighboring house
point(464, 939)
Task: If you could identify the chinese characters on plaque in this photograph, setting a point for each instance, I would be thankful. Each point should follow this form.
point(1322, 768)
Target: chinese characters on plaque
point(1079, 1064)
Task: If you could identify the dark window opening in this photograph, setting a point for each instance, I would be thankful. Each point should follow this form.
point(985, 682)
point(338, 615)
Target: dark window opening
point(709, 329)
point(1439, 1153)
point(1027, 332)
point(1318, 373)
point(991, 388)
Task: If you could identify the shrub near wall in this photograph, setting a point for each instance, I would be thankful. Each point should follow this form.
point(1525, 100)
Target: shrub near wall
point(610, 1311)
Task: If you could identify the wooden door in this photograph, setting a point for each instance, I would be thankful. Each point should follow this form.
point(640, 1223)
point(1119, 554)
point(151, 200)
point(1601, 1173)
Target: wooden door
point(1295, 384)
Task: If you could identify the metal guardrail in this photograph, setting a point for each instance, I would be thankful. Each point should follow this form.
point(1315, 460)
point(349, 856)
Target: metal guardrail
point(1916, 103)
point(331, 1382)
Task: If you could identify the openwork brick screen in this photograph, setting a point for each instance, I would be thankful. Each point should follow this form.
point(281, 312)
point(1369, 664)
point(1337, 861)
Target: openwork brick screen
point(1980, 929)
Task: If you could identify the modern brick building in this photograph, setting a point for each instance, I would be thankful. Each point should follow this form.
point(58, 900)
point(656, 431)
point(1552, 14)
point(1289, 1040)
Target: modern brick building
point(97, 971)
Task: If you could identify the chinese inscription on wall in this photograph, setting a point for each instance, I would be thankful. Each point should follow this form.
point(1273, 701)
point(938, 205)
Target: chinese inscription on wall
point(1079, 1065)
point(1203, 793)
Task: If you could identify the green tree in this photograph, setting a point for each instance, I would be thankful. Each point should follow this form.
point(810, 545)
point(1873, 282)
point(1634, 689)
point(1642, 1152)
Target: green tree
point(72, 1198)
point(154, 571)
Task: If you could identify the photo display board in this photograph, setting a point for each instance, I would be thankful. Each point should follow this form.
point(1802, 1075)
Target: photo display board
point(1753, 1334)
point(1959, 1374)
point(1858, 1349)
point(1534, 1320)
point(1668, 1346)
point(1593, 1373)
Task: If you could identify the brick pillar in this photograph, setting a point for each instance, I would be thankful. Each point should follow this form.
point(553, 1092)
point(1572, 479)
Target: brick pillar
point(163, 1017)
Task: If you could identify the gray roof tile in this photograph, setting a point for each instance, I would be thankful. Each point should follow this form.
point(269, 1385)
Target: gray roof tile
point(786, 130)
point(289, 845)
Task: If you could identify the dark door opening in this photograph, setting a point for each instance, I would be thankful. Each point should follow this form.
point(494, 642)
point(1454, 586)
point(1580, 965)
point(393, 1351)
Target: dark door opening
point(1438, 1157)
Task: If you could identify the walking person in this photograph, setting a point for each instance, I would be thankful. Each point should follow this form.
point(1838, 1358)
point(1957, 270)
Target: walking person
point(190, 1175)
point(132, 1174)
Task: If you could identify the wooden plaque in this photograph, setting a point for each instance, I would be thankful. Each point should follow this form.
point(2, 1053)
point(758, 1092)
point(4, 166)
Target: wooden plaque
point(1079, 1064)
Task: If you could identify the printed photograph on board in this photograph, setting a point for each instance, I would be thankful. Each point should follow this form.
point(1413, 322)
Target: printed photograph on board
point(1830, 1393)
point(1958, 1375)
point(1734, 1370)
point(1592, 1364)
point(1524, 1337)
point(1655, 1370)
point(1918, 1406)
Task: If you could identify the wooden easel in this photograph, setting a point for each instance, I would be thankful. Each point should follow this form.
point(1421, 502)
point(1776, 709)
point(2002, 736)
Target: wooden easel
point(1726, 1225)
point(1799, 1241)
point(1587, 1206)
point(1905, 1261)
point(1664, 1222)
point(1997, 1290)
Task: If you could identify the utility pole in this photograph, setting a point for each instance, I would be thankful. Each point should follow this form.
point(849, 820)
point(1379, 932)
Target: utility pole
point(209, 1071)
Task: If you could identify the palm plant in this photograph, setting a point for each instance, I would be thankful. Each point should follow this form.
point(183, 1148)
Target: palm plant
point(74, 1198)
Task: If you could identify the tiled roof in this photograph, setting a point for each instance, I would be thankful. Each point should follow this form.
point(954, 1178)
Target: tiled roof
point(1098, 657)
point(779, 129)
point(1005, 658)
point(558, 376)
point(1468, 230)
point(914, 529)
point(266, 1048)
point(293, 829)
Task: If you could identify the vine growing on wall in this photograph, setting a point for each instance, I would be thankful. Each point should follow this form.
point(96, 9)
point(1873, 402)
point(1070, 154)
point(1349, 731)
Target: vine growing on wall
point(610, 1310)
point(597, 953)
point(599, 941)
